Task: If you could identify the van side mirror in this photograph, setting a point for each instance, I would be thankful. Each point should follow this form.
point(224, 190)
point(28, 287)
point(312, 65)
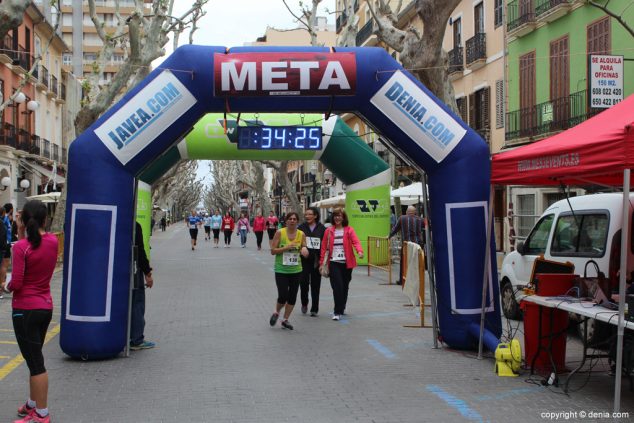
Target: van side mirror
point(520, 248)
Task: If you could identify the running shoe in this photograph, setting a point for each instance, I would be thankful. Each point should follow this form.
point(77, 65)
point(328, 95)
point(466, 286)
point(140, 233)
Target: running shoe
point(273, 319)
point(313, 314)
point(304, 309)
point(336, 317)
point(287, 325)
point(25, 410)
point(34, 418)
point(145, 345)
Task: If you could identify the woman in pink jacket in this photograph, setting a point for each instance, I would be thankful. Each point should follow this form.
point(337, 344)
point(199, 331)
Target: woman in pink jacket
point(340, 241)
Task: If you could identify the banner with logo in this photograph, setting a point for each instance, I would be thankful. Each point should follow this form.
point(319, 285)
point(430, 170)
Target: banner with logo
point(368, 212)
point(419, 116)
point(142, 119)
point(284, 74)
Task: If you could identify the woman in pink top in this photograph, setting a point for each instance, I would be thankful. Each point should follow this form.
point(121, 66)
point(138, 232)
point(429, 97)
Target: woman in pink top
point(258, 228)
point(340, 241)
point(34, 259)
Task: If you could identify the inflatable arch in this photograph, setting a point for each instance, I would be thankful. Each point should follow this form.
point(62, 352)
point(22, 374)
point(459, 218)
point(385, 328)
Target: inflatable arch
point(367, 183)
point(106, 159)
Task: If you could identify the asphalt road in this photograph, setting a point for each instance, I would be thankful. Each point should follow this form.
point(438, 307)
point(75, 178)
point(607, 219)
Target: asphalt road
point(217, 359)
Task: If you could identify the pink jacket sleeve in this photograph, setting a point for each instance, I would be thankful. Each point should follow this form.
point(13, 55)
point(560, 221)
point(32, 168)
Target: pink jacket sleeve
point(355, 240)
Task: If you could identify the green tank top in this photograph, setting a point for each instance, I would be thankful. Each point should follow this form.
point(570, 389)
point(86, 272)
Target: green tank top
point(289, 262)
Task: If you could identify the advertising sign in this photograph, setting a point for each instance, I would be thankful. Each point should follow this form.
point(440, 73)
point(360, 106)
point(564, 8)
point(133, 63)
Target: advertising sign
point(145, 116)
point(369, 213)
point(405, 104)
point(606, 80)
point(284, 74)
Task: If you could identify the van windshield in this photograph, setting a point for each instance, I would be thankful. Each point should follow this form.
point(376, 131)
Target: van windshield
point(582, 235)
point(538, 238)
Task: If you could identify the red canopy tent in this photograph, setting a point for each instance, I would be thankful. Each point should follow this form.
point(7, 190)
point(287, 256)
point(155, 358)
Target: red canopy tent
point(595, 151)
point(600, 151)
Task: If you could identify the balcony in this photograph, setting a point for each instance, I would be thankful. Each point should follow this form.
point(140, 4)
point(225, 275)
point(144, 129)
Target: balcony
point(44, 77)
point(521, 18)
point(36, 143)
point(22, 60)
point(365, 36)
point(46, 148)
point(456, 62)
point(24, 140)
point(6, 50)
point(62, 92)
point(8, 135)
point(548, 117)
point(53, 86)
point(476, 51)
point(550, 10)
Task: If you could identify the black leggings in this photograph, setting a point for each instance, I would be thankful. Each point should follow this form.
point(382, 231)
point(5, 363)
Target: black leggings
point(216, 233)
point(228, 236)
point(287, 287)
point(311, 279)
point(30, 328)
point(271, 233)
point(340, 277)
point(258, 237)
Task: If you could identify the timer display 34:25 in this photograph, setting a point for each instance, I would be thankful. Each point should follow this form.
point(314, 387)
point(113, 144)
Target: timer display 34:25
point(279, 138)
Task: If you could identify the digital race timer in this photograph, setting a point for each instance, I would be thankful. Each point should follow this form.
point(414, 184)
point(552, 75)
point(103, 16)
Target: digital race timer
point(279, 138)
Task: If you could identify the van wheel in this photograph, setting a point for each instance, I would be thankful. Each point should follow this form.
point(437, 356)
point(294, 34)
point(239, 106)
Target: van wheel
point(598, 332)
point(510, 308)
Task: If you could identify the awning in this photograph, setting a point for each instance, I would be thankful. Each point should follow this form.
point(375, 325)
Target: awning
point(42, 171)
point(51, 197)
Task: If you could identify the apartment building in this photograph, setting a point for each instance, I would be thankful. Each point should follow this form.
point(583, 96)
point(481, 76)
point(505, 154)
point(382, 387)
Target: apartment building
point(549, 44)
point(32, 142)
point(78, 32)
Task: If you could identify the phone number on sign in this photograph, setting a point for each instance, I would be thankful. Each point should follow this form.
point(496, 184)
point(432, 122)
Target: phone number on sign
point(570, 415)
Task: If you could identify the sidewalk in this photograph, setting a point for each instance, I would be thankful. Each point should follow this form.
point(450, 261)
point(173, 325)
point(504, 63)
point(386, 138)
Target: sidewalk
point(217, 359)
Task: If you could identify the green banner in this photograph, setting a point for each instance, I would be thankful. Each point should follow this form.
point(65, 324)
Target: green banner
point(144, 213)
point(368, 211)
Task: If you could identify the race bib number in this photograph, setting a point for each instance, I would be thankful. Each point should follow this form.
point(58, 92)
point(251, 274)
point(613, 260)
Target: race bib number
point(290, 259)
point(243, 228)
point(313, 243)
point(192, 226)
point(338, 255)
point(227, 227)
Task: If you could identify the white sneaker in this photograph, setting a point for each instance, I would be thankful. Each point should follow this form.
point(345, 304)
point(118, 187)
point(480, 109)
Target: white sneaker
point(335, 317)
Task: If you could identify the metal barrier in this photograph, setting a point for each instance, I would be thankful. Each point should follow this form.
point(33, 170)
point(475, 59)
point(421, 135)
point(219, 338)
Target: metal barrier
point(380, 255)
point(60, 246)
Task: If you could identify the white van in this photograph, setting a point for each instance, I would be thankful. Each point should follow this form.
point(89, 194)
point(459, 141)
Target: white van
point(590, 231)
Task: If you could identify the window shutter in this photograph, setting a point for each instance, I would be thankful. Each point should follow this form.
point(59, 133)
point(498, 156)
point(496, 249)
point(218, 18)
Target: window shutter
point(486, 111)
point(472, 111)
point(499, 104)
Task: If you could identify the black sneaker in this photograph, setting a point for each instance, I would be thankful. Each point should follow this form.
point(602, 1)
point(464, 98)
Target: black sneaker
point(287, 325)
point(273, 319)
point(304, 309)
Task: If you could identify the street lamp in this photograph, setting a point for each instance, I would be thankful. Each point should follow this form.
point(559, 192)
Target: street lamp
point(24, 185)
point(5, 182)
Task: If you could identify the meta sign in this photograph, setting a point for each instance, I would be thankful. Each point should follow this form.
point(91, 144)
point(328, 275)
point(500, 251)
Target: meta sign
point(606, 80)
point(284, 74)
